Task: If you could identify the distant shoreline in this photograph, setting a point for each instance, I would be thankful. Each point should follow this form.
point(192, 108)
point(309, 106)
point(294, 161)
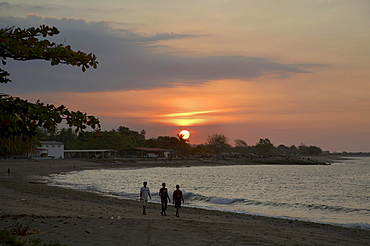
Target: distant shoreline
point(297, 160)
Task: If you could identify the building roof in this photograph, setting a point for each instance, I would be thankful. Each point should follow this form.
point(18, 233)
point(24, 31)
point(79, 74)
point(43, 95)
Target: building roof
point(89, 150)
point(52, 142)
point(150, 149)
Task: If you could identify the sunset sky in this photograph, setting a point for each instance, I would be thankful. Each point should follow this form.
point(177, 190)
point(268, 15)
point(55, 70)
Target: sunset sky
point(288, 70)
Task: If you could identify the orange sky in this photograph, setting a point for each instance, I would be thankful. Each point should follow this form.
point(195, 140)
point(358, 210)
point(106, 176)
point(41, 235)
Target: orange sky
point(291, 71)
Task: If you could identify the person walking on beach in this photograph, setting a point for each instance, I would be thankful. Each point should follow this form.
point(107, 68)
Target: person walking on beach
point(144, 195)
point(163, 193)
point(177, 198)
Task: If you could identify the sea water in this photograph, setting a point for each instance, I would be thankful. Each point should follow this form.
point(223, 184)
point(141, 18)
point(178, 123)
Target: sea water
point(335, 194)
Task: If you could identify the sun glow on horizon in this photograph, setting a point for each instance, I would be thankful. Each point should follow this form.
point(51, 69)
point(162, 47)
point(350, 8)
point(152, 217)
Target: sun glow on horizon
point(188, 113)
point(187, 118)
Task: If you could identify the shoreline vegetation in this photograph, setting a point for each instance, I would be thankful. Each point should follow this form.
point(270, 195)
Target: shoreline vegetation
point(273, 160)
point(72, 217)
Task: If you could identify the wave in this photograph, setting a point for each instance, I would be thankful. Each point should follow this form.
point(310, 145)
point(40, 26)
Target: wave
point(222, 200)
point(193, 197)
point(338, 209)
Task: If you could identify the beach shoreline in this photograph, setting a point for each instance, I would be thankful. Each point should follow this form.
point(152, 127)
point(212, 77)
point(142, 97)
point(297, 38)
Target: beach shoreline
point(75, 217)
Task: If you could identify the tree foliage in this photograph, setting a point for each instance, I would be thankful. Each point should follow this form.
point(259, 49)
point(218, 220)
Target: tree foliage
point(240, 146)
point(120, 139)
point(239, 143)
point(309, 150)
point(217, 143)
point(264, 146)
point(179, 145)
point(24, 44)
point(134, 138)
point(20, 119)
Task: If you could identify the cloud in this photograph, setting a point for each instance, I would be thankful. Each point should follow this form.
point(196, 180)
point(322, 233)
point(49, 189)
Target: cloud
point(11, 9)
point(128, 35)
point(128, 60)
point(4, 5)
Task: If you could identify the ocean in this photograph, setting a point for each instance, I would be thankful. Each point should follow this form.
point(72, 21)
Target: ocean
point(337, 194)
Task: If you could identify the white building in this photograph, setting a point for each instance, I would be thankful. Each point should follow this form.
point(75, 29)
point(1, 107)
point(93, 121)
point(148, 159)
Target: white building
point(50, 149)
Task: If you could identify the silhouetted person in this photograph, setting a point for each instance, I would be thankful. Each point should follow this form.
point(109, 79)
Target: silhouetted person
point(144, 194)
point(177, 198)
point(8, 172)
point(163, 193)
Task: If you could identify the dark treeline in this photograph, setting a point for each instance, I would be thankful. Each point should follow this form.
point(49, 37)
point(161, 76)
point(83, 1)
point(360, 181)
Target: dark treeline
point(123, 138)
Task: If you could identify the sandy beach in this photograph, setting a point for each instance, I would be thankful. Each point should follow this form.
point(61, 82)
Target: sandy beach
point(82, 218)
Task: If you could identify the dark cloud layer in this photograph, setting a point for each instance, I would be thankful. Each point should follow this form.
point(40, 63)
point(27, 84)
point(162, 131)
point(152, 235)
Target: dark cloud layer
point(127, 61)
point(4, 5)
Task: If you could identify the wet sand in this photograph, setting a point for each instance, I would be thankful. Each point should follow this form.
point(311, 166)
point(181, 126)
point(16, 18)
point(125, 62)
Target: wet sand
point(83, 218)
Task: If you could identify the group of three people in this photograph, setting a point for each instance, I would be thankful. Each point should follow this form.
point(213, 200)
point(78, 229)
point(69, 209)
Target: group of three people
point(177, 198)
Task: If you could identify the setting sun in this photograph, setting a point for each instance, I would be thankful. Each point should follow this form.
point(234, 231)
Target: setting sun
point(184, 134)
